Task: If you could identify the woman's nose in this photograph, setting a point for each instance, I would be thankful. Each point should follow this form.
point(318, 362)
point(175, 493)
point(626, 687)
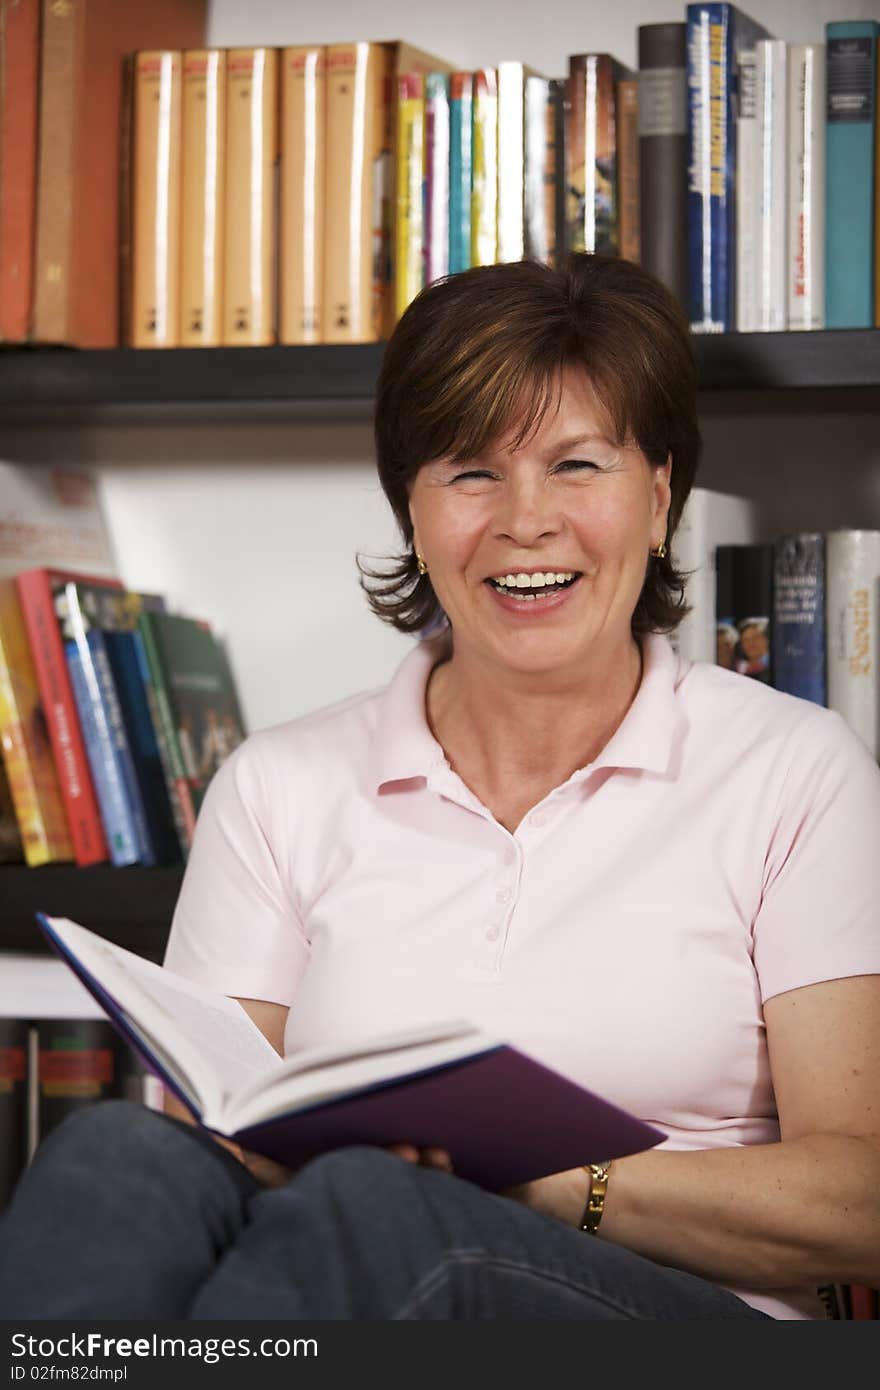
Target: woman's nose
point(526, 511)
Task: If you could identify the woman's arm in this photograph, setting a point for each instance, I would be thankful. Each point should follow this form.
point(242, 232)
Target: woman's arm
point(802, 1212)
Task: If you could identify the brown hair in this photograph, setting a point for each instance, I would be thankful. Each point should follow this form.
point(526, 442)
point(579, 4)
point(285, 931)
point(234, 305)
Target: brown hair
point(481, 353)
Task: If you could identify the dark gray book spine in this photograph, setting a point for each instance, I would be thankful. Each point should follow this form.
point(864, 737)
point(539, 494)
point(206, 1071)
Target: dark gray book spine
point(663, 153)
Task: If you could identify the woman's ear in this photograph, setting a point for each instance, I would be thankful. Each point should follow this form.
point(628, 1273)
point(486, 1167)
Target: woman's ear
point(662, 481)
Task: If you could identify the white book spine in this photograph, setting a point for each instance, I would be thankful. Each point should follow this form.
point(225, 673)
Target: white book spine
point(437, 119)
point(511, 126)
point(806, 186)
point(746, 196)
point(709, 519)
point(772, 240)
point(537, 97)
point(852, 572)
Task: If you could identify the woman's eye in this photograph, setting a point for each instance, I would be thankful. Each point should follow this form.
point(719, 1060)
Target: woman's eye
point(575, 464)
point(473, 473)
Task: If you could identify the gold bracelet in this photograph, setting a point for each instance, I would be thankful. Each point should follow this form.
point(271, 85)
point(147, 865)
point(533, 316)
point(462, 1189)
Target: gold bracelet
point(596, 1200)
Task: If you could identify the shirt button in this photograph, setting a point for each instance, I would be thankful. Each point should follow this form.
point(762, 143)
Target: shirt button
point(503, 895)
point(493, 934)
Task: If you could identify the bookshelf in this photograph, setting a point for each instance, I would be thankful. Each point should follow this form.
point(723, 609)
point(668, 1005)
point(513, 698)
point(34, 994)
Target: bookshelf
point(840, 369)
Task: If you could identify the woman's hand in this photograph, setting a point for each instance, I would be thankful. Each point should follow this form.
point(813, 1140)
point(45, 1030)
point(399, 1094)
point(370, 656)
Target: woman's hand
point(272, 1174)
point(426, 1158)
point(563, 1195)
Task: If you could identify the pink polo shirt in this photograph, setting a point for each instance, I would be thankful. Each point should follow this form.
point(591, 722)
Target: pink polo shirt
point(721, 849)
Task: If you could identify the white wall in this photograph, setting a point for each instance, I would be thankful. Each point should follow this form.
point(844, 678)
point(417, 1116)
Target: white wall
point(255, 523)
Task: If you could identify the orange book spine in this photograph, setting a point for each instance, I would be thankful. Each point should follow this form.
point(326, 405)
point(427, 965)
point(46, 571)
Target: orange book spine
point(357, 203)
point(27, 757)
point(62, 41)
point(19, 69)
point(44, 638)
point(249, 284)
point(629, 200)
point(155, 311)
point(203, 165)
point(301, 255)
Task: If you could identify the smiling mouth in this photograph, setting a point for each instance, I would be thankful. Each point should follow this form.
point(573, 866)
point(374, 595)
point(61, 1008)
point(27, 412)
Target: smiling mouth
point(530, 593)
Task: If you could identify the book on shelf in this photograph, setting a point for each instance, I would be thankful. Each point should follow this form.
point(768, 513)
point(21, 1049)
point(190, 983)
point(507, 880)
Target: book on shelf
point(806, 186)
point(484, 175)
point(196, 707)
point(628, 187)
point(436, 197)
point(512, 77)
point(11, 848)
point(771, 238)
point(744, 609)
point(717, 34)
point(708, 520)
point(539, 170)
point(202, 206)
point(799, 615)
point(34, 787)
point(14, 1033)
point(662, 61)
point(591, 152)
point(303, 154)
point(155, 199)
point(80, 1061)
point(504, 1117)
point(52, 516)
point(37, 589)
point(409, 228)
point(748, 190)
point(250, 241)
point(851, 96)
point(852, 571)
point(460, 170)
point(19, 67)
point(76, 275)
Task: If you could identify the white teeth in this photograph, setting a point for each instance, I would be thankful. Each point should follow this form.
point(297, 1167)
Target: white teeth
point(533, 581)
point(523, 581)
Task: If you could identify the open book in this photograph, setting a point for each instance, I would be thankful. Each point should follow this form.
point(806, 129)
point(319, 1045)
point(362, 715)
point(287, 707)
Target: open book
point(504, 1117)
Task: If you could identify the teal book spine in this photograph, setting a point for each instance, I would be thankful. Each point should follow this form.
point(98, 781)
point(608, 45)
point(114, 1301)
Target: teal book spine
point(460, 168)
point(851, 86)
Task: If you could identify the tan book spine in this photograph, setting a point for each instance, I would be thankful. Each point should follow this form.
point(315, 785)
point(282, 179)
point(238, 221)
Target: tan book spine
point(155, 258)
point(357, 208)
point(203, 164)
point(249, 282)
point(629, 199)
point(301, 253)
point(62, 40)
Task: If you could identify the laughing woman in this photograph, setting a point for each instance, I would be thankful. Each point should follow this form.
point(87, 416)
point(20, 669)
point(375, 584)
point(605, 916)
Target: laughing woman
point(656, 876)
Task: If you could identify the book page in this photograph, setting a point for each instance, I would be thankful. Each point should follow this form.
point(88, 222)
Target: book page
point(216, 1047)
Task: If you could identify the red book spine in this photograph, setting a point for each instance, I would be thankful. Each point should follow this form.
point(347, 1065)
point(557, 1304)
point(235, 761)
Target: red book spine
point(19, 63)
point(864, 1302)
point(78, 793)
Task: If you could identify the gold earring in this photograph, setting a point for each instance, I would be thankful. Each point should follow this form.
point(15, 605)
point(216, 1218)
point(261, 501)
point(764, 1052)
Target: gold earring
point(423, 568)
point(660, 552)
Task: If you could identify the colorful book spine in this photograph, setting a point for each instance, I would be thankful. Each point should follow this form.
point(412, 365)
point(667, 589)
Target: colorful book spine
point(748, 190)
point(182, 811)
point(539, 161)
point(80, 1060)
point(799, 616)
point(511, 171)
point(663, 153)
point(203, 169)
point(158, 693)
point(744, 609)
point(409, 222)
point(250, 197)
point(852, 571)
point(436, 176)
point(125, 665)
point(771, 89)
point(303, 153)
point(593, 219)
point(155, 312)
point(560, 104)
point(484, 184)
point(11, 850)
point(460, 170)
point(628, 192)
point(806, 186)
point(115, 812)
point(13, 1104)
point(19, 87)
point(27, 756)
point(851, 95)
point(716, 35)
point(35, 593)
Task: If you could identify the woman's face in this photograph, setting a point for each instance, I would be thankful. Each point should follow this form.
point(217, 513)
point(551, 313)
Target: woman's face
point(569, 501)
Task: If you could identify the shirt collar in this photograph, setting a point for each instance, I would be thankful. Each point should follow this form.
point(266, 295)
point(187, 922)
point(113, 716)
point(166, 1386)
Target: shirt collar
point(648, 738)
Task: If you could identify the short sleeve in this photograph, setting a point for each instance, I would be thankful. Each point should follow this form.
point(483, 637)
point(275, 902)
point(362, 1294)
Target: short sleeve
point(819, 917)
point(235, 927)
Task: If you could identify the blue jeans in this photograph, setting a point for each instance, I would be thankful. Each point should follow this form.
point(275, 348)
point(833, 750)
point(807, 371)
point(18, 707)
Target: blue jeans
point(126, 1213)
